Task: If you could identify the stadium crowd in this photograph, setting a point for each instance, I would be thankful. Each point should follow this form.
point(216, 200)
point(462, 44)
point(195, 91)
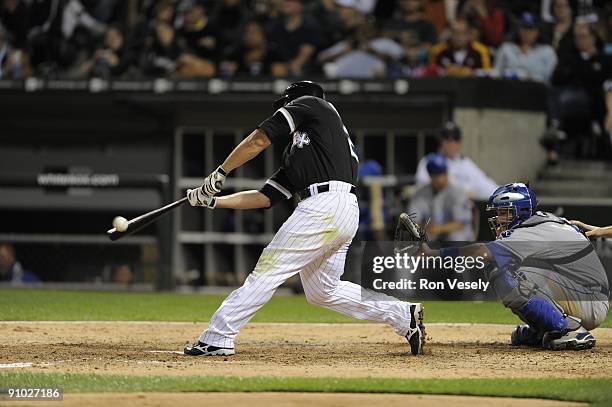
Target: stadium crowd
point(519, 39)
point(565, 44)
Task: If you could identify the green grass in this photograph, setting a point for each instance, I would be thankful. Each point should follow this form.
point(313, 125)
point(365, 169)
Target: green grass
point(37, 305)
point(598, 391)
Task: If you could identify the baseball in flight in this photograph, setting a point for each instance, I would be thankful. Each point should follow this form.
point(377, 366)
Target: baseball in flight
point(120, 223)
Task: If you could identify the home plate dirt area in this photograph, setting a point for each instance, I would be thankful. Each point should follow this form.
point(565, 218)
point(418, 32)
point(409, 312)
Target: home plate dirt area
point(284, 350)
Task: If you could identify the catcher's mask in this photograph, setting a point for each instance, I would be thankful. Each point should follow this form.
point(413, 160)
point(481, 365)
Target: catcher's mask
point(509, 206)
point(500, 220)
point(299, 89)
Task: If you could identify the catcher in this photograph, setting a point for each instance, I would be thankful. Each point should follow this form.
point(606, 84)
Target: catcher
point(544, 269)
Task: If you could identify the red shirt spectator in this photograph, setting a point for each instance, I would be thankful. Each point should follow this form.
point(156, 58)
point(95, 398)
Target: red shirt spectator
point(488, 19)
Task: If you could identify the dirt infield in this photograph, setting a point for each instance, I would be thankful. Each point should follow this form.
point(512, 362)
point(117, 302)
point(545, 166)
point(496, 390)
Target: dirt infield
point(306, 350)
point(288, 400)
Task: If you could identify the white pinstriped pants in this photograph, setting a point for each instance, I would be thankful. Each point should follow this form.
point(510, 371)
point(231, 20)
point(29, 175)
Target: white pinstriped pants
point(313, 242)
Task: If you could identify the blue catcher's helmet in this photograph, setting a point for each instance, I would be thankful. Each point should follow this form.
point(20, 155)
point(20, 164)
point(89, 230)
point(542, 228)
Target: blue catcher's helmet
point(510, 205)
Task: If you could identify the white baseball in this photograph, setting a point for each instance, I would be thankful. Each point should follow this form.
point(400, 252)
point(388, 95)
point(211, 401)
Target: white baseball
point(120, 223)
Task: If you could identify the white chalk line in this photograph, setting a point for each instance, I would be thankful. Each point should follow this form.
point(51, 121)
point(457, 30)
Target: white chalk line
point(21, 365)
point(178, 352)
point(16, 365)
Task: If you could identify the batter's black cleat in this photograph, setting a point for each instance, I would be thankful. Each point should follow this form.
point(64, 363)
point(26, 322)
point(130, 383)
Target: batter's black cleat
point(201, 349)
point(524, 335)
point(573, 340)
point(416, 332)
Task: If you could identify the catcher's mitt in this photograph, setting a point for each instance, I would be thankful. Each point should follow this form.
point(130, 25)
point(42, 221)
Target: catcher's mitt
point(408, 235)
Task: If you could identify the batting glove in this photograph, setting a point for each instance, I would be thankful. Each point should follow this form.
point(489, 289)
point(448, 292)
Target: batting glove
point(197, 197)
point(214, 182)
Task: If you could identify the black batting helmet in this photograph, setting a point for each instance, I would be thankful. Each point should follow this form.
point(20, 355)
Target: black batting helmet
point(298, 89)
point(450, 131)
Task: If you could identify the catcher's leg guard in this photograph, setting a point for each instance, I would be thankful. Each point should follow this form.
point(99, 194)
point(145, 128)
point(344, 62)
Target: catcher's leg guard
point(542, 316)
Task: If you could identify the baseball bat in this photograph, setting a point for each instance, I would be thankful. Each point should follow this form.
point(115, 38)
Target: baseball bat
point(141, 221)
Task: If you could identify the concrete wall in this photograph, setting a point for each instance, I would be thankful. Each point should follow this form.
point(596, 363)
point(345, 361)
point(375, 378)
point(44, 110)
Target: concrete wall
point(504, 143)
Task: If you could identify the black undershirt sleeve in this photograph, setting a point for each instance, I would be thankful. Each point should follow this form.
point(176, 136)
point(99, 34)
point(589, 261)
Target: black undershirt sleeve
point(277, 188)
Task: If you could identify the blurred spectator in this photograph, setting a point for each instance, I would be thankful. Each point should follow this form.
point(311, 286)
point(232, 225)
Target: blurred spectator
point(412, 22)
point(75, 15)
point(253, 57)
point(437, 11)
point(350, 19)
point(11, 269)
point(327, 14)
point(579, 77)
point(112, 59)
point(198, 37)
point(525, 56)
point(605, 29)
point(110, 11)
point(122, 274)
point(79, 31)
point(268, 10)
point(584, 9)
point(463, 172)
point(416, 35)
point(198, 32)
point(442, 206)
point(144, 32)
point(229, 16)
point(49, 50)
point(460, 55)
point(486, 18)
point(14, 16)
point(14, 63)
point(164, 12)
point(562, 20)
point(413, 62)
point(363, 56)
point(365, 6)
point(163, 51)
point(296, 37)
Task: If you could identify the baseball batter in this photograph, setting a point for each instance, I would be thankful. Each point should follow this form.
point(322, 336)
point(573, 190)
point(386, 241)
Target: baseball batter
point(544, 270)
point(320, 166)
